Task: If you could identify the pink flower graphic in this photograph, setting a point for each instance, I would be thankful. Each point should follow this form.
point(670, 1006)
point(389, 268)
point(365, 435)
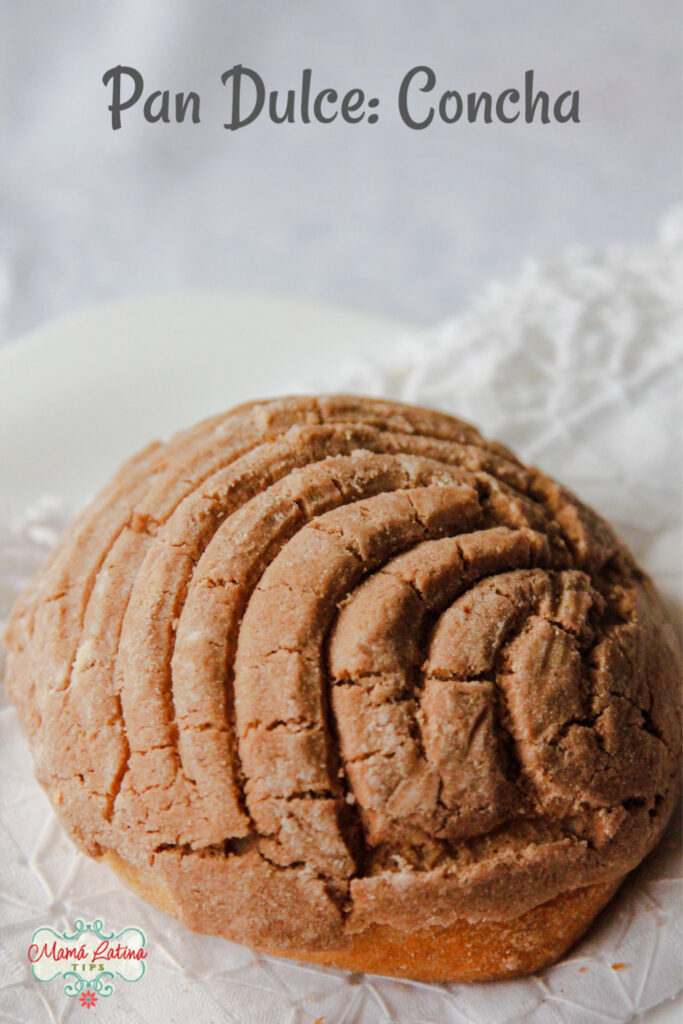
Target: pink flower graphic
point(88, 998)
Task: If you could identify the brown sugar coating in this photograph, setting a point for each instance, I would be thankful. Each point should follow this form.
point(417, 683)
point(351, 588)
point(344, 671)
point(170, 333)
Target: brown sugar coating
point(321, 671)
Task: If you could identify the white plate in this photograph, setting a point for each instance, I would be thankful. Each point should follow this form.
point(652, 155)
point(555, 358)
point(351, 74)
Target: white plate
point(82, 394)
point(78, 396)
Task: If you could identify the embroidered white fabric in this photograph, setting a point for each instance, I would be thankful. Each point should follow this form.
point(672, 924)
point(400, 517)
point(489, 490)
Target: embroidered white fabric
point(577, 366)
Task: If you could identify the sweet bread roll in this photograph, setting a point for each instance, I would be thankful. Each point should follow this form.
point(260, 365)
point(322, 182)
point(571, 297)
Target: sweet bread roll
point(341, 680)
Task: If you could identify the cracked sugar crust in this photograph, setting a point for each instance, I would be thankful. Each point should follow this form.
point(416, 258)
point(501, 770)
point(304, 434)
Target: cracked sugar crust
point(321, 664)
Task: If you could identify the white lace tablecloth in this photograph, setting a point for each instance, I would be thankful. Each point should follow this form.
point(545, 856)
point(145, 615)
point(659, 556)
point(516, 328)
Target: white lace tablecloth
point(577, 365)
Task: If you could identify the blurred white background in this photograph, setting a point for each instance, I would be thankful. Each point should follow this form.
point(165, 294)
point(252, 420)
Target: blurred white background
point(378, 216)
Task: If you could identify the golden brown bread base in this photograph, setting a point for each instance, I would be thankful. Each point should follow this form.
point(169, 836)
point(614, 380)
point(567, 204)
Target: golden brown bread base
point(464, 951)
point(474, 950)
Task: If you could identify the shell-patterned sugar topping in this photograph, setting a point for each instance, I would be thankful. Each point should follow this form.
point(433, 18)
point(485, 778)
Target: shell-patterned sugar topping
point(324, 663)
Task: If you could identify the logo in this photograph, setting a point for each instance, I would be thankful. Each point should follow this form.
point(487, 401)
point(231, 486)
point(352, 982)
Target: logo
point(90, 960)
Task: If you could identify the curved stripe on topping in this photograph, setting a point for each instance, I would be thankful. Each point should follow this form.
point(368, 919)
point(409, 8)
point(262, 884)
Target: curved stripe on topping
point(208, 627)
point(346, 656)
point(424, 762)
point(279, 669)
